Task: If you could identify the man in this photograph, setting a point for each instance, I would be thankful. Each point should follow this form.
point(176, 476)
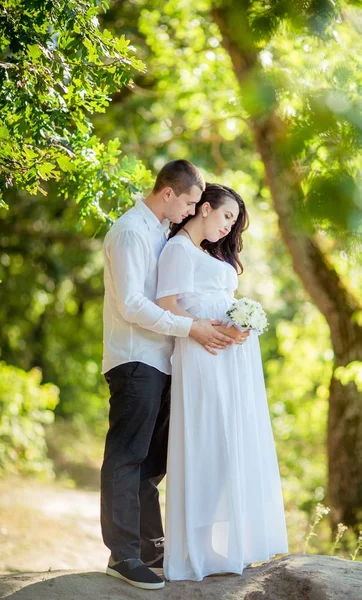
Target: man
point(136, 365)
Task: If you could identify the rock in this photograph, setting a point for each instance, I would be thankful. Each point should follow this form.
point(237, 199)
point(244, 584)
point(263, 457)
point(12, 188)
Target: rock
point(293, 577)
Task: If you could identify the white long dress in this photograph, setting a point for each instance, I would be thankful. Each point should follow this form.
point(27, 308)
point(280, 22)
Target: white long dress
point(224, 504)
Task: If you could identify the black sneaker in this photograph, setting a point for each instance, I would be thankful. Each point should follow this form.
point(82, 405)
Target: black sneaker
point(135, 572)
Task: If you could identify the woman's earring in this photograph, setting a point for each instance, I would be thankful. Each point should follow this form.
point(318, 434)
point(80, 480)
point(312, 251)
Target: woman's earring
point(204, 214)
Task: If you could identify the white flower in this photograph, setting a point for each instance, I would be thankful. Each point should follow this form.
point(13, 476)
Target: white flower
point(247, 313)
point(239, 314)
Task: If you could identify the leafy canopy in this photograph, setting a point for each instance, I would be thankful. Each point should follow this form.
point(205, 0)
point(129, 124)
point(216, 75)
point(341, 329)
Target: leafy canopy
point(57, 67)
point(306, 71)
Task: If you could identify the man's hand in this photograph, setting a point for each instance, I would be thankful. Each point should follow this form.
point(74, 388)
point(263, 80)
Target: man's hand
point(240, 337)
point(205, 332)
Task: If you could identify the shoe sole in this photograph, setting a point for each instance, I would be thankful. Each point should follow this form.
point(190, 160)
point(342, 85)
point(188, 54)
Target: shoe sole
point(138, 584)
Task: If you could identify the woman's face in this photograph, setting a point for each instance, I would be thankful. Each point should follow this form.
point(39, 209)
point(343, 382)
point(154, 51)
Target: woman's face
point(219, 221)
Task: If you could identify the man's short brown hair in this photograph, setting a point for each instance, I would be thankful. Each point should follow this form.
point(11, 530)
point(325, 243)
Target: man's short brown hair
point(180, 175)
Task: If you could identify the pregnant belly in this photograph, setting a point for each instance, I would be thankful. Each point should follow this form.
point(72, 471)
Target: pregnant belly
point(209, 306)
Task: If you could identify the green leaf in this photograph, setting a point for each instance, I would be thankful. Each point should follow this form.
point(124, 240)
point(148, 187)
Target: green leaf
point(34, 52)
point(121, 44)
point(65, 163)
point(113, 146)
point(4, 132)
point(83, 127)
point(3, 204)
point(45, 170)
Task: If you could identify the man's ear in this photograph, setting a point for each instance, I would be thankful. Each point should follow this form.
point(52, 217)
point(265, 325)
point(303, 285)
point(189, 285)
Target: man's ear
point(166, 193)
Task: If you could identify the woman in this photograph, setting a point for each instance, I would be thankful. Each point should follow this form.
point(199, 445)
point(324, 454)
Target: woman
point(224, 505)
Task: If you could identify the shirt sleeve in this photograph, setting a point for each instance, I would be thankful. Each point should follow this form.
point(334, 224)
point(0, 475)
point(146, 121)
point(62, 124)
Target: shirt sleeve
point(175, 271)
point(127, 255)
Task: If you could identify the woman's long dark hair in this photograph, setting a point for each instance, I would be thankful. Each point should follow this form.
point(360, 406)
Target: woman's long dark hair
point(228, 247)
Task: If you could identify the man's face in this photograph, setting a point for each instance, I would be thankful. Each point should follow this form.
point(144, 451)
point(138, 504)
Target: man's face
point(180, 207)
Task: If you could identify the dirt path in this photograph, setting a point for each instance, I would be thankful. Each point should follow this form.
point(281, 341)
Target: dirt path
point(46, 526)
point(50, 526)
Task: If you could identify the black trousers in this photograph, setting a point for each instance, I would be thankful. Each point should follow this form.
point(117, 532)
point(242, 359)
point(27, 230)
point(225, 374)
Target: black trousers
point(134, 461)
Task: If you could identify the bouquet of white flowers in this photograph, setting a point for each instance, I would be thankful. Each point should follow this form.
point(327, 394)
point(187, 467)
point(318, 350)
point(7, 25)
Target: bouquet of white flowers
point(247, 314)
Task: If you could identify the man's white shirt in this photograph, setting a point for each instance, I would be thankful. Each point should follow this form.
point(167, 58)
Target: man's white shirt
point(134, 327)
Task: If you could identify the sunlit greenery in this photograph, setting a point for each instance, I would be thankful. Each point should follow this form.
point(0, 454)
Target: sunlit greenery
point(57, 68)
point(26, 407)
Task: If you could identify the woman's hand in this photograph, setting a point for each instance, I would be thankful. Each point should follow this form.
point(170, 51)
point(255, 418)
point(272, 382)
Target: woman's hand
point(239, 337)
point(204, 332)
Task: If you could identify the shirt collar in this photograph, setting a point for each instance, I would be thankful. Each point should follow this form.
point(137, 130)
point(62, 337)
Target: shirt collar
point(150, 218)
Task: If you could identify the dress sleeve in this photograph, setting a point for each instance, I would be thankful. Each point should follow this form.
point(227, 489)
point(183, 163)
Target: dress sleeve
point(175, 271)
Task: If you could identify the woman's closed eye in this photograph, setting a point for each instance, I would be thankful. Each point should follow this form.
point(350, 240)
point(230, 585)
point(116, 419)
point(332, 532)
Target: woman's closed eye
point(228, 218)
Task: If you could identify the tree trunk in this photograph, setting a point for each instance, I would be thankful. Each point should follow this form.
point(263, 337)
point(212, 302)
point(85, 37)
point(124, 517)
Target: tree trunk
point(318, 277)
